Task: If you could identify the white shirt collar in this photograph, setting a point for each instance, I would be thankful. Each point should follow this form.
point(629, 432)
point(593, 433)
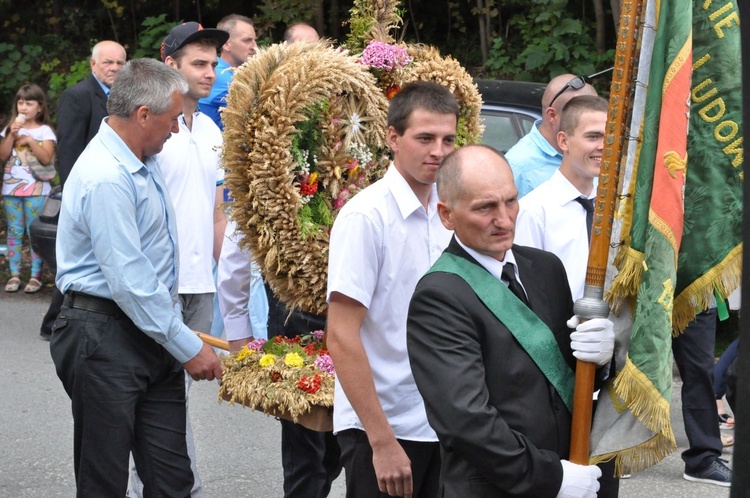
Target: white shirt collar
point(405, 197)
point(566, 191)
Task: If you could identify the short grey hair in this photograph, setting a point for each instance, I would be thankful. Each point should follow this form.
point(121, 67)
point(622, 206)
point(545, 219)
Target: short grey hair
point(144, 82)
point(229, 22)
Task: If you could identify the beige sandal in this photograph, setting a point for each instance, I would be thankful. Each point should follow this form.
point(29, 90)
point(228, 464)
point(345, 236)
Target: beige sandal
point(13, 284)
point(33, 286)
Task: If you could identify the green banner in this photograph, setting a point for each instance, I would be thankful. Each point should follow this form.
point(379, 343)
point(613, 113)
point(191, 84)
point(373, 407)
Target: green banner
point(643, 386)
point(711, 249)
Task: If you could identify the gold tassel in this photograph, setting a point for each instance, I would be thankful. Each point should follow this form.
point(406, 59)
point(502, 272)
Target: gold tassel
point(643, 400)
point(627, 282)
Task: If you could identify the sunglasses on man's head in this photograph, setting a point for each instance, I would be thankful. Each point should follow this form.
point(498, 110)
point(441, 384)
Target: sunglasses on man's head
point(577, 83)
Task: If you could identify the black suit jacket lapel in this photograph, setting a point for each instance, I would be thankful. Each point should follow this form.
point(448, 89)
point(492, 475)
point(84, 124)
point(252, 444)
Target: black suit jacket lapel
point(99, 96)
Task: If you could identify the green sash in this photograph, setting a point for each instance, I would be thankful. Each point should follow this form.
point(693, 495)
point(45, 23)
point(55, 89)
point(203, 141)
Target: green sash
point(532, 333)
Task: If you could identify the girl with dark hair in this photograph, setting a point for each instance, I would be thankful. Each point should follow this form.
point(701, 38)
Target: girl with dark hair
point(27, 149)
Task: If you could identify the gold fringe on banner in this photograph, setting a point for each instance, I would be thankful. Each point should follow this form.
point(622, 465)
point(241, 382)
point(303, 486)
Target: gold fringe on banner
point(627, 282)
point(652, 410)
point(725, 277)
point(637, 458)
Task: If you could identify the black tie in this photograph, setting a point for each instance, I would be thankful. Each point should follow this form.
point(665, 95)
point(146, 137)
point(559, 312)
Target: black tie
point(588, 205)
point(509, 275)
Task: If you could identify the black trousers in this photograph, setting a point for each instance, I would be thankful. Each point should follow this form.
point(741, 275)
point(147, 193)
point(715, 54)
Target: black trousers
point(54, 309)
point(361, 482)
point(127, 393)
point(311, 459)
point(694, 354)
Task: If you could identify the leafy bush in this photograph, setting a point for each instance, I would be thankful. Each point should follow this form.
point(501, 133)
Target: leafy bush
point(16, 70)
point(48, 61)
point(554, 41)
point(153, 31)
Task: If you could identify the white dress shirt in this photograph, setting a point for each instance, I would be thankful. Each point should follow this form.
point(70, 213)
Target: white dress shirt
point(492, 265)
point(240, 291)
point(551, 219)
point(382, 243)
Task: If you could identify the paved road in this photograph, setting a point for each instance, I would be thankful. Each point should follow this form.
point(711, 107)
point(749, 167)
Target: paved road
point(238, 450)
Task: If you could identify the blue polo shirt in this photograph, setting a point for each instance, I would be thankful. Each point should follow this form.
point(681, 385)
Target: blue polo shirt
point(532, 160)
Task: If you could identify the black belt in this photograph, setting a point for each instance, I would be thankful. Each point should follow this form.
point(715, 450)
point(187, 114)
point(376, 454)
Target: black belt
point(83, 301)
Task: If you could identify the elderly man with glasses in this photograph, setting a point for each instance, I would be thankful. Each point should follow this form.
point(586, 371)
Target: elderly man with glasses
point(536, 156)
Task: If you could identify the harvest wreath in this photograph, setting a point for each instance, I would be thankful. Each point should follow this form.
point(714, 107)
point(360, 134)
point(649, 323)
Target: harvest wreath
point(305, 130)
point(282, 377)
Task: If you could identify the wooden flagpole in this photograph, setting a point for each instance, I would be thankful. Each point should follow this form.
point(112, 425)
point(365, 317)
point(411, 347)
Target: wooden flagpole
point(213, 341)
point(592, 304)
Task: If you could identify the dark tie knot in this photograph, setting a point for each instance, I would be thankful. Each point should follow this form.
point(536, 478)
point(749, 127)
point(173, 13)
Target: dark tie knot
point(509, 274)
point(587, 203)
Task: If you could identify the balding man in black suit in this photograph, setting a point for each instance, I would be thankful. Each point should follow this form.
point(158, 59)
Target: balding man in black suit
point(82, 107)
point(490, 348)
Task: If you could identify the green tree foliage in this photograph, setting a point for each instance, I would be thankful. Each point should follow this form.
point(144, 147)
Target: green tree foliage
point(545, 40)
point(152, 33)
point(49, 41)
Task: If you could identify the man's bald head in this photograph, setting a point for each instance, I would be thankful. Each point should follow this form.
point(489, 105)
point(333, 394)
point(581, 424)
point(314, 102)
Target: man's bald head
point(107, 58)
point(559, 91)
point(554, 87)
point(449, 177)
point(300, 32)
point(478, 199)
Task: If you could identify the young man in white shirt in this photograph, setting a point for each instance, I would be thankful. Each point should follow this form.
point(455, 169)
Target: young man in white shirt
point(382, 242)
point(553, 217)
point(194, 178)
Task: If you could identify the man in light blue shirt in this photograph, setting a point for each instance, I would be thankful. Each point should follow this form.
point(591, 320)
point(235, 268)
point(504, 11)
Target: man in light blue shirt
point(119, 344)
point(536, 156)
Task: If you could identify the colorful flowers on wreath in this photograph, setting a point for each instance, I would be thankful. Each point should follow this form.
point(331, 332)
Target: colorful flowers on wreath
point(325, 364)
point(309, 385)
point(386, 62)
point(380, 55)
point(283, 357)
point(391, 91)
point(331, 160)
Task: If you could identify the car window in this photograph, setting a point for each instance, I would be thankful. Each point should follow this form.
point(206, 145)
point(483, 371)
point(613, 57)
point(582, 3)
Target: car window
point(526, 122)
point(499, 131)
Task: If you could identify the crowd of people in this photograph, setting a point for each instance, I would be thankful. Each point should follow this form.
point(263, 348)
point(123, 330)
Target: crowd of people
point(469, 258)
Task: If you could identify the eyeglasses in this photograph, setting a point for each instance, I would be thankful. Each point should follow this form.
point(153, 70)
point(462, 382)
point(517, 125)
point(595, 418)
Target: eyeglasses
point(578, 82)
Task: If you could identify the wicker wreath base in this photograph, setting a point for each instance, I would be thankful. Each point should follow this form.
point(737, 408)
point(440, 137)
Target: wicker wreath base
point(319, 418)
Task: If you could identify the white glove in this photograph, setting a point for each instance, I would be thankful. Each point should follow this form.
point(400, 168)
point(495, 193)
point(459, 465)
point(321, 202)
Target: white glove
point(579, 481)
point(593, 341)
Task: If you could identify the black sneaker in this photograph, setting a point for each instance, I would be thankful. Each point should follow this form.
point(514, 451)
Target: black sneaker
point(716, 473)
